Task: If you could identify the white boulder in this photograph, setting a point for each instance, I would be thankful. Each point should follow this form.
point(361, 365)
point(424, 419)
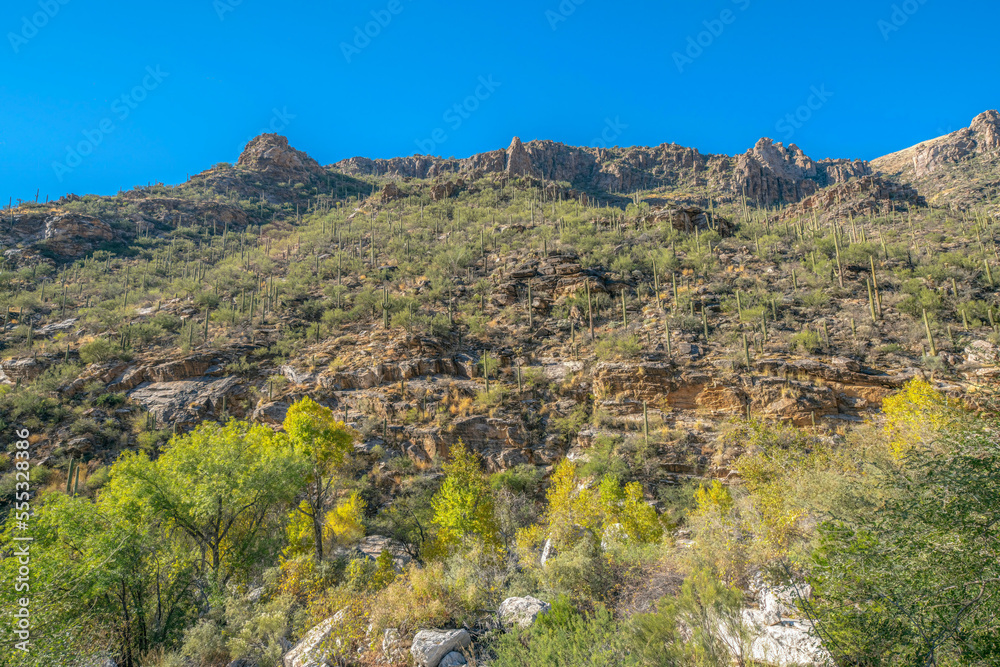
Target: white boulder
point(314, 648)
point(522, 611)
point(430, 646)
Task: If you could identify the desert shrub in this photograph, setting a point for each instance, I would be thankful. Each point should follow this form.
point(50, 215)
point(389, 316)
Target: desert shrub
point(205, 643)
point(99, 350)
point(565, 637)
point(807, 341)
point(618, 346)
point(523, 478)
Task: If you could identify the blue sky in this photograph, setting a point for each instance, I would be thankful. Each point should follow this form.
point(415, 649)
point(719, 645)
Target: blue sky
point(157, 90)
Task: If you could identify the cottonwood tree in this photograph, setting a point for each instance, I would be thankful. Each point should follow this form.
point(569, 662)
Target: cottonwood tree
point(221, 488)
point(323, 446)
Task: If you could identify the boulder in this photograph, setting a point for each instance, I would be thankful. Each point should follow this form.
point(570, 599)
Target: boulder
point(453, 659)
point(26, 369)
point(982, 352)
point(790, 643)
point(431, 646)
point(372, 547)
point(314, 648)
point(522, 611)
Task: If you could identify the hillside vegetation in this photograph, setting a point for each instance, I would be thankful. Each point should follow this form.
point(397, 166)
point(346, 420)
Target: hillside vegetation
point(736, 411)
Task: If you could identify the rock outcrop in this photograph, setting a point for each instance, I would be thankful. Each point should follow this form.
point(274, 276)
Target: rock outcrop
point(429, 647)
point(272, 157)
point(522, 611)
point(73, 235)
point(57, 231)
point(981, 137)
point(865, 196)
point(314, 649)
point(768, 173)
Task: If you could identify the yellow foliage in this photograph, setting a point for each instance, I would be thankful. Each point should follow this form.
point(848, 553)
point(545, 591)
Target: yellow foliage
point(463, 506)
point(297, 577)
point(714, 498)
point(915, 416)
point(774, 521)
point(627, 508)
point(571, 504)
point(299, 532)
point(385, 571)
point(344, 524)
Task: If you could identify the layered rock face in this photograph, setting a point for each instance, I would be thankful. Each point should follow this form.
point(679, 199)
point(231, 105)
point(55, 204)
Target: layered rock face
point(63, 233)
point(871, 195)
point(768, 174)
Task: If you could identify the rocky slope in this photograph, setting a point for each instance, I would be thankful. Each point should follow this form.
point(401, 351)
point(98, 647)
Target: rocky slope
point(227, 247)
point(960, 169)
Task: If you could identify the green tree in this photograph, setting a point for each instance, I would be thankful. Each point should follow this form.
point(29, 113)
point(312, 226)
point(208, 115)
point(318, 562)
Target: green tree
point(221, 488)
point(324, 444)
point(464, 504)
point(910, 574)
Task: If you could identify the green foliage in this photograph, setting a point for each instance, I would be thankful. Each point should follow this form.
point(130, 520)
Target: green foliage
point(99, 350)
point(463, 506)
point(807, 341)
point(218, 486)
point(900, 577)
point(523, 478)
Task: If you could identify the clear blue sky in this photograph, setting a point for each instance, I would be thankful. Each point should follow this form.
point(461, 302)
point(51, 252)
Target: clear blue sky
point(229, 69)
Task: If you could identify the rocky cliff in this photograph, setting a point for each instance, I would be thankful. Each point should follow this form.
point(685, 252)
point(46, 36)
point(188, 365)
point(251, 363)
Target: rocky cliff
point(769, 173)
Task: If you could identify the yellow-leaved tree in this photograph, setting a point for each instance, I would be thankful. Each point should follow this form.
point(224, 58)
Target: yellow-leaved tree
point(344, 522)
point(915, 416)
point(576, 507)
point(463, 506)
point(325, 443)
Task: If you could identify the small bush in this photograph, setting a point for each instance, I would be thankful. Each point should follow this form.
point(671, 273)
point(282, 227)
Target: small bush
point(806, 341)
point(99, 350)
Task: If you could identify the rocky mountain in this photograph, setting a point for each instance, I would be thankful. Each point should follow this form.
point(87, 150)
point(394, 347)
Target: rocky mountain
point(768, 174)
point(691, 326)
point(960, 169)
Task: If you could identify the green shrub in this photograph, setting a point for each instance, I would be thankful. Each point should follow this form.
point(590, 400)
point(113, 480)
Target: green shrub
point(566, 637)
point(523, 478)
point(99, 350)
point(806, 341)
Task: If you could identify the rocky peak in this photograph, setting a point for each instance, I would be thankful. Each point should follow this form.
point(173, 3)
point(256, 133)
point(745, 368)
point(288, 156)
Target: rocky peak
point(788, 162)
point(981, 137)
point(986, 128)
point(770, 173)
point(518, 161)
point(271, 155)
